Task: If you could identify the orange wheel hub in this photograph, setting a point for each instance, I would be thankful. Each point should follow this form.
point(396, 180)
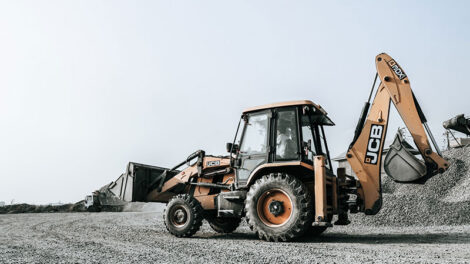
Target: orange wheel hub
point(274, 207)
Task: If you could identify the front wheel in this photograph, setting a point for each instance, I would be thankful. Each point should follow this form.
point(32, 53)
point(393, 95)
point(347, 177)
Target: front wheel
point(183, 215)
point(279, 207)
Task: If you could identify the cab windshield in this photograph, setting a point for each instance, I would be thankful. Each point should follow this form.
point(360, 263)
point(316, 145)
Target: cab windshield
point(255, 136)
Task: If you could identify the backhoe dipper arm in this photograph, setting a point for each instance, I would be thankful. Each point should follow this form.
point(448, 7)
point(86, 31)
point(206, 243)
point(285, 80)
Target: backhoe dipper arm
point(365, 153)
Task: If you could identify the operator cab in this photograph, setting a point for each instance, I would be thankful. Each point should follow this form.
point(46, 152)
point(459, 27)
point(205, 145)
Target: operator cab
point(279, 134)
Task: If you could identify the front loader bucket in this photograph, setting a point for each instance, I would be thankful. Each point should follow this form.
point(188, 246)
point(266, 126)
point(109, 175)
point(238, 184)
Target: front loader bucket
point(401, 164)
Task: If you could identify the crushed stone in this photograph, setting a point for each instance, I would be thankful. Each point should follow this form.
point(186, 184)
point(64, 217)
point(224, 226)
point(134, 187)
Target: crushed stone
point(443, 200)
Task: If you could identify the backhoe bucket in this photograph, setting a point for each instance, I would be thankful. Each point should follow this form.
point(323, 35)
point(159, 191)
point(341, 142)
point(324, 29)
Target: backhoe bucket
point(400, 164)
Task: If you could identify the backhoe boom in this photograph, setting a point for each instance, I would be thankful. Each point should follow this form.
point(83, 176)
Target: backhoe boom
point(365, 152)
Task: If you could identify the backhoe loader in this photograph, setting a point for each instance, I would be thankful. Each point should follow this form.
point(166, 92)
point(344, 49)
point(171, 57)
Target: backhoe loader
point(278, 173)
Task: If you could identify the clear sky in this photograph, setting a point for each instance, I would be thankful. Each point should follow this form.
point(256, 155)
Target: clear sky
point(86, 86)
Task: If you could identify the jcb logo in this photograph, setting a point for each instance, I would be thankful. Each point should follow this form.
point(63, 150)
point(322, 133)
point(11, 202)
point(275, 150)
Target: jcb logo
point(397, 70)
point(374, 143)
point(213, 163)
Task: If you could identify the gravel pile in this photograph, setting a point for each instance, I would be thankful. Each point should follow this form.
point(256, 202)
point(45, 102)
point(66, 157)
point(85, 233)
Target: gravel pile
point(79, 207)
point(31, 208)
point(442, 200)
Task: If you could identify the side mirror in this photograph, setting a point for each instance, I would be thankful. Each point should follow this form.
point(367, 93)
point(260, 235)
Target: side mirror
point(232, 147)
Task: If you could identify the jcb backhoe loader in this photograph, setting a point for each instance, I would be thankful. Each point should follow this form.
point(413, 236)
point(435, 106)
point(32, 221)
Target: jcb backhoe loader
point(278, 173)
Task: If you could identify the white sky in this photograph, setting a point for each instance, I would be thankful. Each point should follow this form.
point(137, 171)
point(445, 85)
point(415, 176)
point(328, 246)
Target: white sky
point(86, 86)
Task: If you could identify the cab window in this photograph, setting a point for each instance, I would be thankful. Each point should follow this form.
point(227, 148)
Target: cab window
point(286, 135)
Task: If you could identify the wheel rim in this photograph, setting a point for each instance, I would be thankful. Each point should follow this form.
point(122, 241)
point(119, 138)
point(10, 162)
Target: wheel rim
point(179, 216)
point(268, 207)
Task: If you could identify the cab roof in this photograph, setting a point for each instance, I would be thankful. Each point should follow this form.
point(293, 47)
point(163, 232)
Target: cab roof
point(284, 104)
point(318, 109)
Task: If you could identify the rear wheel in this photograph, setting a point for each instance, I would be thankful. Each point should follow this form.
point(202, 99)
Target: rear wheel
point(279, 207)
point(183, 215)
point(224, 224)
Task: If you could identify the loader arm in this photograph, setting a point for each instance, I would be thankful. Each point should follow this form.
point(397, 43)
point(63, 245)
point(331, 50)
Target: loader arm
point(365, 152)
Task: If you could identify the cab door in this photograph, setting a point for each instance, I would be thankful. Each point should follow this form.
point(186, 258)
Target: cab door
point(254, 145)
point(286, 135)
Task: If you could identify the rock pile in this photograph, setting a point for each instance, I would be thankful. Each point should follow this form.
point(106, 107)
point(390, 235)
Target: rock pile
point(30, 208)
point(442, 200)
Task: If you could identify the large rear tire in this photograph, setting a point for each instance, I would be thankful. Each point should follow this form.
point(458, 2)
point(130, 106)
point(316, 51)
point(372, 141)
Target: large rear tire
point(279, 207)
point(183, 215)
point(224, 224)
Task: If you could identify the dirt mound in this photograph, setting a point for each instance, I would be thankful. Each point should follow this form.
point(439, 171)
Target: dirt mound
point(442, 200)
point(29, 208)
point(80, 207)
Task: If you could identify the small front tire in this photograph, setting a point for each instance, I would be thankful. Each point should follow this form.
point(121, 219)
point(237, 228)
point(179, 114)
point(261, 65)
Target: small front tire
point(183, 215)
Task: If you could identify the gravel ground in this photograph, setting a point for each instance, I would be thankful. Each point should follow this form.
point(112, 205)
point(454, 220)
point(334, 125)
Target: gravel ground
point(141, 237)
point(427, 223)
